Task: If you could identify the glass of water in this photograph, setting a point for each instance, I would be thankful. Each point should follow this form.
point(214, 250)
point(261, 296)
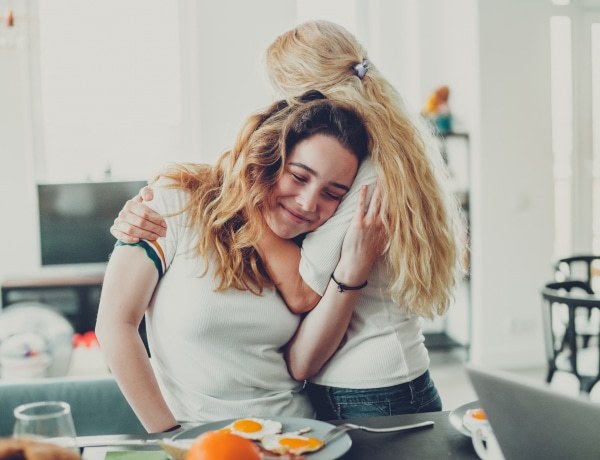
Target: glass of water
point(49, 421)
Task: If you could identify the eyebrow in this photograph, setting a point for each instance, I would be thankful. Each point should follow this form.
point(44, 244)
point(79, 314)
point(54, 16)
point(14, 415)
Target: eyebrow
point(314, 173)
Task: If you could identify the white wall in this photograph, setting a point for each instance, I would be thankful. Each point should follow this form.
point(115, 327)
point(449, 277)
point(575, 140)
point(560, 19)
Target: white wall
point(495, 56)
point(18, 202)
point(513, 190)
point(229, 68)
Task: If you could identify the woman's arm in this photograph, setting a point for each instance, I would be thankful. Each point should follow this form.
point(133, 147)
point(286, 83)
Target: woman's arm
point(282, 258)
point(301, 277)
point(129, 282)
point(322, 330)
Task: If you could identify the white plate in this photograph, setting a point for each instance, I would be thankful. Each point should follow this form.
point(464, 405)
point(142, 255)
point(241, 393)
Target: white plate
point(335, 449)
point(456, 416)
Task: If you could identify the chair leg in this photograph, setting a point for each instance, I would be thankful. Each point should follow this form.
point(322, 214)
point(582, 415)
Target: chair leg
point(590, 382)
point(550, 374)
point(586, 384)
point(588, 340)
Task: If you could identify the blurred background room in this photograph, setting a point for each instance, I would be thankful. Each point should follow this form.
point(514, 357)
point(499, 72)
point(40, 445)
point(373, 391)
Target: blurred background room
point(95, 97)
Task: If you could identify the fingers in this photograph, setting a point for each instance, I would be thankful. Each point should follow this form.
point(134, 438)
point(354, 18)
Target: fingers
point(374, 205)
point(128, 232)
point(373, 222)
point(137, 213)
point(146, 193)
point(365, 240)
point(119, 235)
point(367, 212)
point(137, 221)
point(361, 204)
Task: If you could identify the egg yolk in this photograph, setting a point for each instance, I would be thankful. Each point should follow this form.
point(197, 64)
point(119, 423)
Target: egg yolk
point(247, 426)
point(297, 443)
point(478, 414)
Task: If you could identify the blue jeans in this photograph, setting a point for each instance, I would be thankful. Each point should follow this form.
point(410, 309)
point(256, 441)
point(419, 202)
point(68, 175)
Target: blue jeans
point(333, 403)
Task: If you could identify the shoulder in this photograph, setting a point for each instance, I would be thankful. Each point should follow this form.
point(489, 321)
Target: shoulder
point(366, 173)
point(168, 197)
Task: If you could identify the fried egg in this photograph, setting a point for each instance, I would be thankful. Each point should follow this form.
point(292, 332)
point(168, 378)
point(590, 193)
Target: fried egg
point(475, 419)
point(292, 443)
point(253, 428)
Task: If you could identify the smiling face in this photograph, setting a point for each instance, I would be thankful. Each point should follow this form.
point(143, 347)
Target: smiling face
point(317, 174)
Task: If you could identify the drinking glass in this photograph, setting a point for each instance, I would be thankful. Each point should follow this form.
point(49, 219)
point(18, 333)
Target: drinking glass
point(49, 421)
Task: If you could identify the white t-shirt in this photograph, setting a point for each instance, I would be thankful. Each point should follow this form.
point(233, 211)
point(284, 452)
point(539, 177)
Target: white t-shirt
point(216, 355)
point(383, 346)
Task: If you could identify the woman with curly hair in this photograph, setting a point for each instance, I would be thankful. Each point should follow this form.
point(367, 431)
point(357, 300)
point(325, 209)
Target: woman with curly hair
point(216, 326)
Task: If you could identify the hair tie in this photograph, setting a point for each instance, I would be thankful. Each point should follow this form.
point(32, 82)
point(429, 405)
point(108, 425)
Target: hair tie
point(361, 69)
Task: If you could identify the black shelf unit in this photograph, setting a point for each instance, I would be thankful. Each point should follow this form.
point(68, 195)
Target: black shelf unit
point(460, 170)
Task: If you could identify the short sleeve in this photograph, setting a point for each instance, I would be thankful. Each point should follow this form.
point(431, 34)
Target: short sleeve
point(321, 248)
point(168, 202)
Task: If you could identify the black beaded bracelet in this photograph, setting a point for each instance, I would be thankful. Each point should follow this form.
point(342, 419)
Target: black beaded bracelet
point(342, 287)
point(173, 428)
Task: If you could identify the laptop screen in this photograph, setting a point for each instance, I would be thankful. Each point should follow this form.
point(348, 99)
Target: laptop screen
point(532, 421)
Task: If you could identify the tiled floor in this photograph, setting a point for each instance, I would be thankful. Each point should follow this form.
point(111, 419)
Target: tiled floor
point(447, 370)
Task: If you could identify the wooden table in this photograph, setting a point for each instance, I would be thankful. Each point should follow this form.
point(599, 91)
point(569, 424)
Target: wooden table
point(442, 441)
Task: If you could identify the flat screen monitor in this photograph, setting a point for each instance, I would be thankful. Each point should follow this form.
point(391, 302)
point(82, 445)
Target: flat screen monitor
point(75, 220)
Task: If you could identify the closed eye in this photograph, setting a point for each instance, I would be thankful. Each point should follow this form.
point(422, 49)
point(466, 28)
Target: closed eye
point(334, 196)
point(299, 178)
point(303, 179)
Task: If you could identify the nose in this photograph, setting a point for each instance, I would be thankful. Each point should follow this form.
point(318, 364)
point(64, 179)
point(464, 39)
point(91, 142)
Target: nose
point(308, 199)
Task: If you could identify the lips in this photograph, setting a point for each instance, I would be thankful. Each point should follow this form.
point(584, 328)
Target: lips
point(296, 217)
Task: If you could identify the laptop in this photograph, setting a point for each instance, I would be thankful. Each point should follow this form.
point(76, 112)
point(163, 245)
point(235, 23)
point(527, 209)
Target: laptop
point(532, 421)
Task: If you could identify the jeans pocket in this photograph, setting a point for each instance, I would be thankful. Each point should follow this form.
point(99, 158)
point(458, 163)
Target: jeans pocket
point(428, 398)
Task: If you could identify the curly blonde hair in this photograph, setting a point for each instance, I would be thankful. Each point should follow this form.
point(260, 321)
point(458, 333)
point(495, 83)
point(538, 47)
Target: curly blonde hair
point(227, 199)
point(421, 216)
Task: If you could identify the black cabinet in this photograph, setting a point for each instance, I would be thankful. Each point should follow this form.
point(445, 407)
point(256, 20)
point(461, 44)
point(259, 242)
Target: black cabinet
point(75, 297)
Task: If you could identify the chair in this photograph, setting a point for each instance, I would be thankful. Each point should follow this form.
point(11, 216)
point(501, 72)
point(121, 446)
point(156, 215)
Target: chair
point(565, 350)
point(578, 267)
point(585, 268)
point(97, 404)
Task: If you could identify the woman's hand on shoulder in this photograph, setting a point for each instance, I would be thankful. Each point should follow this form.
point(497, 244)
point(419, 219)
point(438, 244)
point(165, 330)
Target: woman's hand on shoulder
point(137, 221)
point(366, 239)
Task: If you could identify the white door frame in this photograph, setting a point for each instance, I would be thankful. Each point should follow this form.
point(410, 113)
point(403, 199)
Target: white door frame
point(582, 202)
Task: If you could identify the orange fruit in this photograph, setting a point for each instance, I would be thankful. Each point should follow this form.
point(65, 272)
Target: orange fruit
point(219, 445)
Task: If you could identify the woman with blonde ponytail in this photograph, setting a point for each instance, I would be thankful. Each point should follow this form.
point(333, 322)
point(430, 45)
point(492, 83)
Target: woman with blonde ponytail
point(421, 219)
point(380, 366)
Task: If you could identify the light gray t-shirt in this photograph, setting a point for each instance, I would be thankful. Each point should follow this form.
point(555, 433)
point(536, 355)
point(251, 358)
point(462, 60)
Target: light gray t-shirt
point(216, 355)
point(383, 346)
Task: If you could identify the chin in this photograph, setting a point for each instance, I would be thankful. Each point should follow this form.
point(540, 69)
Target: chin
point(282, 228)
point(285, 234)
